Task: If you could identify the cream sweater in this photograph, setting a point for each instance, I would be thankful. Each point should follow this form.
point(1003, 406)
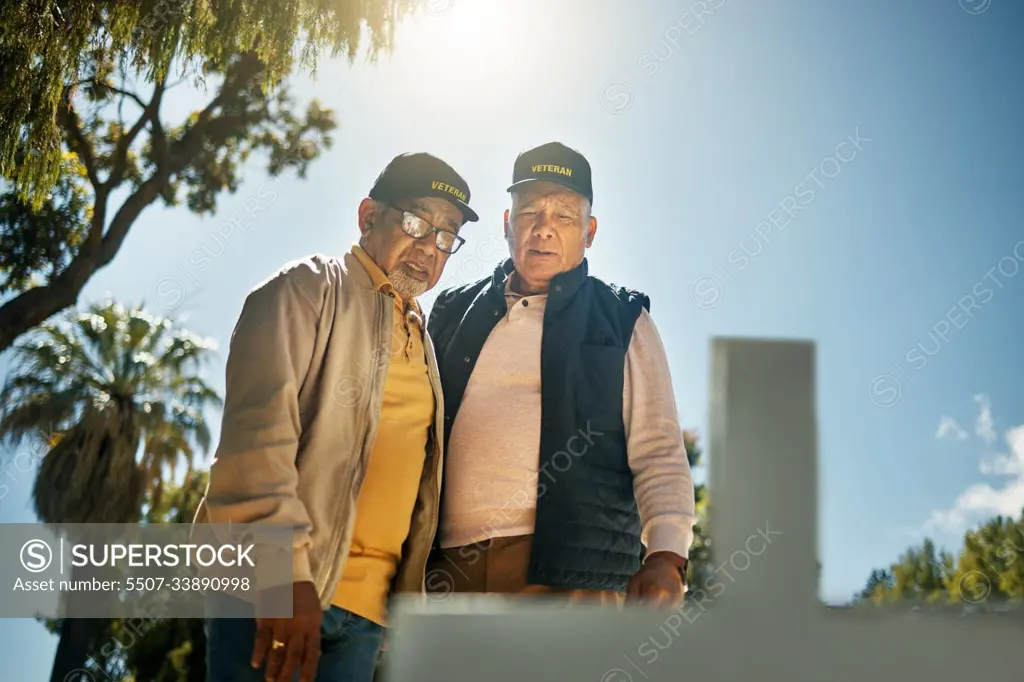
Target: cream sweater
point(492, 458)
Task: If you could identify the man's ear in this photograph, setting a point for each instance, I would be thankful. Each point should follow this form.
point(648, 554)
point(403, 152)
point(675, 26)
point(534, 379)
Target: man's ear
point(508, 227)
point(368, 215)
point(591, 231)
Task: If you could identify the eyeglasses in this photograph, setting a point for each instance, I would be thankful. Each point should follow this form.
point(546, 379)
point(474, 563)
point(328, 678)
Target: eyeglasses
point(418, 228)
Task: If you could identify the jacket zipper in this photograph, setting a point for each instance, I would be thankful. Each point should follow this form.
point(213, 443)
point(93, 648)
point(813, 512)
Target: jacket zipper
point(334, 573)
point(439, 465)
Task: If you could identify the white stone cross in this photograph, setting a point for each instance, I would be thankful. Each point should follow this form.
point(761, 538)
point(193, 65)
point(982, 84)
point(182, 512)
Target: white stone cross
point(767, 622)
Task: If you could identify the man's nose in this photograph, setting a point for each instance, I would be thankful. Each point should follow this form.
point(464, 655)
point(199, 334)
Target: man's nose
point(545, 225)
point(427, 247)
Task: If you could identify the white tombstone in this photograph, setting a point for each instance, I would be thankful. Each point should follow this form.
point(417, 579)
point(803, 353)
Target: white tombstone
point(764, 621)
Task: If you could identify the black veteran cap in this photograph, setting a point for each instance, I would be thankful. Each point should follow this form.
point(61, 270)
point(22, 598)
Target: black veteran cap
point(554, 162)
point(422, 175)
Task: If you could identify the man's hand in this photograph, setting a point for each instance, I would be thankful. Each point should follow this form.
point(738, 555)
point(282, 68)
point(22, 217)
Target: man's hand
point(290, 644)
point(659, 581)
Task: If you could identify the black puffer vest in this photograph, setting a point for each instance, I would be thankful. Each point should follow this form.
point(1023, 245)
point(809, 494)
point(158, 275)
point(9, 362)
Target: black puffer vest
point(587, 533)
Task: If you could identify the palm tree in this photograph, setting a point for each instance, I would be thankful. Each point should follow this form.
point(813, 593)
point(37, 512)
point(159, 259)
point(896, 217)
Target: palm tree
point(156, 649)
point(117, 396)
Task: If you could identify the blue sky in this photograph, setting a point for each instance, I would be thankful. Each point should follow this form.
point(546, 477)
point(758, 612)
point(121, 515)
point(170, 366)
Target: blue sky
point(843, 172)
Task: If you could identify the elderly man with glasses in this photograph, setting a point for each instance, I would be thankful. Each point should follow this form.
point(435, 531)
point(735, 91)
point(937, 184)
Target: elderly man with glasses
point(565, 469)
point(333, 425)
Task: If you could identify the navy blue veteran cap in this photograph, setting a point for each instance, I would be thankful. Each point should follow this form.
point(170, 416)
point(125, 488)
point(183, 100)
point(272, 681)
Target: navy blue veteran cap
point(554, 162)
point(409, 176)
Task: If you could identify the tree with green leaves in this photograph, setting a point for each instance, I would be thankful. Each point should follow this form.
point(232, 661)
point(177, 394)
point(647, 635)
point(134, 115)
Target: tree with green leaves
point(921, 574)
point(120, 397)
point(880, 583)
point(988, 572)
point(84, 144)
point(699, 564)
point(45, 45)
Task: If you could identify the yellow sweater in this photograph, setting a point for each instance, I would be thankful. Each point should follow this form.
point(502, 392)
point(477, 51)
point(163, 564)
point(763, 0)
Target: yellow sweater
point(386, 500)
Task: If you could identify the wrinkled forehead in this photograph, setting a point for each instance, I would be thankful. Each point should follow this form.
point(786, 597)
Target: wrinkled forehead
point(545, 192)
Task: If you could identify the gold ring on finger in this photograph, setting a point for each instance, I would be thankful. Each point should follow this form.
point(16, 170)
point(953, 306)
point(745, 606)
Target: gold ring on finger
point(277, 644)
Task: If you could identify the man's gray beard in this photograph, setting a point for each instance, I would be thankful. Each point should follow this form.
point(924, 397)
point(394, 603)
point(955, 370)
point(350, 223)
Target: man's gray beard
point(406, 286)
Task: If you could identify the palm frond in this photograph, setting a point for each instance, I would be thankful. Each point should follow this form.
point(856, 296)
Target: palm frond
point(117, 397)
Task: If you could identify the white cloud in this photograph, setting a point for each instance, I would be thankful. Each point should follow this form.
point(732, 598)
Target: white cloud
point(982, 501)
point(949, 427)
point(977, 504)
point(1011, 464)
point(984, 426)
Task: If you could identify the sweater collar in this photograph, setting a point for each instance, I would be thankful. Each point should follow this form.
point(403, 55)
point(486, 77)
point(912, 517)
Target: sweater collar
point(563, 286)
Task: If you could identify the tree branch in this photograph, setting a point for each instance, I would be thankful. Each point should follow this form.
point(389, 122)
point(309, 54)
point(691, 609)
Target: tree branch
point(77, 140)
point(130, 95)
point(125, 217)
point(187, 148)
point(33, 307)
point(150, 114)
point(238, 76)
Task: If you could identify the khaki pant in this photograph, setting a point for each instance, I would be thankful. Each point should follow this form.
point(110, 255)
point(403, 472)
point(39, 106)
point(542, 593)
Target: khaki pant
point(499, 566)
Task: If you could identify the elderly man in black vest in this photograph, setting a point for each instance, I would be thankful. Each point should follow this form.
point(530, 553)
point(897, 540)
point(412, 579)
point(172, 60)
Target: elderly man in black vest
point(565, 470)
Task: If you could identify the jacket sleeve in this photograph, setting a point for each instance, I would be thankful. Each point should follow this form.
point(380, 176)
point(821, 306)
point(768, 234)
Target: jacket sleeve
point(254, 478)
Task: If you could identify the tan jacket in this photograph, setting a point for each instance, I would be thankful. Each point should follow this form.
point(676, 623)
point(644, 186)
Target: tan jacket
point(305, 376)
